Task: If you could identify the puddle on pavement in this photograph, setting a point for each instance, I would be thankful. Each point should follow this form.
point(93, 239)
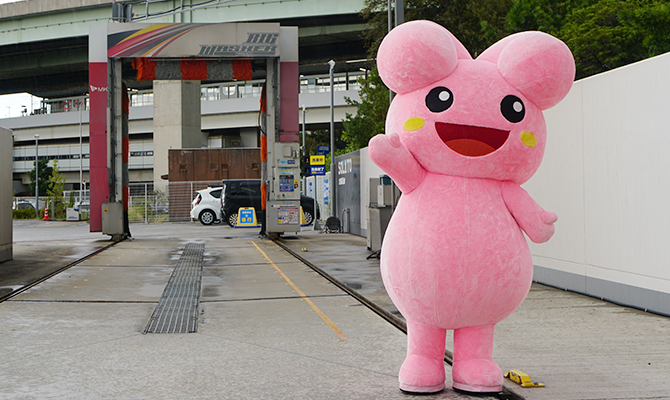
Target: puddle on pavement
point(78, 252)
point(5, 290)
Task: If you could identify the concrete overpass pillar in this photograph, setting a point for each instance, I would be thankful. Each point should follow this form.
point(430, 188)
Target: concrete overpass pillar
point(176, 123)
point(5, 194)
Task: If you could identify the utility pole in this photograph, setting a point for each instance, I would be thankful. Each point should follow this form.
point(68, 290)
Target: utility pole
point(37, 177)
point(333, 186)
point(399, 19)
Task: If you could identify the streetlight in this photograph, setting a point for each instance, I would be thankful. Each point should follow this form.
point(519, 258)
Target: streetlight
point(37, 178)
point(333, 211)
point(303, 130)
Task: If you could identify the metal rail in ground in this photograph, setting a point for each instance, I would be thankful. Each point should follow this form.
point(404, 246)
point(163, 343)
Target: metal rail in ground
point(506, 394)
point(54, 273)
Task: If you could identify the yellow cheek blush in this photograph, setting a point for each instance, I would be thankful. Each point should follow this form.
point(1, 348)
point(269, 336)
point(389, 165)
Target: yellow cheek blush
point(527, 138)
point(413, 124)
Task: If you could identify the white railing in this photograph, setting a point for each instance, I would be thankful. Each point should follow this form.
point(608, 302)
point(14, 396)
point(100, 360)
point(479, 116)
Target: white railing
point(213, 92)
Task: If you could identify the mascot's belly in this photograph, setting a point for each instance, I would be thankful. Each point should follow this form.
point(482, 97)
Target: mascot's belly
point(453, 255)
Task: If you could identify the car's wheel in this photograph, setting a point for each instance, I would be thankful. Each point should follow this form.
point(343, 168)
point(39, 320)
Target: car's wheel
point(207, 217)
point(232, 219)
point(309, 218)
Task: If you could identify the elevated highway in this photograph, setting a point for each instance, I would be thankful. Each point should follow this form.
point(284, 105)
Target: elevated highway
point(44, 43)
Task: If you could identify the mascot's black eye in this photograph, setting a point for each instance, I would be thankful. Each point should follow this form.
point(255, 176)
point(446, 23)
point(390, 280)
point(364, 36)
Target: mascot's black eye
point(439, 99)
point(512, 108)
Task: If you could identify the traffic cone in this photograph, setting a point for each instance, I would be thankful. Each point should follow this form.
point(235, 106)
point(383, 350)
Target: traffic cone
point(46, 213)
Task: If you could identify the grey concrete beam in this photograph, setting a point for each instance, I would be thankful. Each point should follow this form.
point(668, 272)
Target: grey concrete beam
point(31, 7)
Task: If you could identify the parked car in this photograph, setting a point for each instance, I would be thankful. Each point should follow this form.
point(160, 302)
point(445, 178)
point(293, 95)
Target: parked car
point(247, 193)
point(22, 205)
point(83, 206)
point(206, 206)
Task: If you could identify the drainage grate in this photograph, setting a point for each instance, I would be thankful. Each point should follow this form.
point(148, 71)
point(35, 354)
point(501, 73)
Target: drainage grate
point(177, 309)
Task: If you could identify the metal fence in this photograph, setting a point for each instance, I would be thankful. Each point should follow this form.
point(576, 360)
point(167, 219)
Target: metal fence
point(181, 194)
point(147, 205)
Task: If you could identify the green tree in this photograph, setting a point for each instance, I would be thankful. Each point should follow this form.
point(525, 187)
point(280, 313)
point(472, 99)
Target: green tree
point(477, 24)
point(542, 15)
point(44, 175)
point(322, 137)
point(55, 191)
point(612, 33)
point(370, 115)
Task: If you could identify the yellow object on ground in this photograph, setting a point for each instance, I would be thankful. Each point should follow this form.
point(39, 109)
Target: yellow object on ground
point(246, 218)
point(522, 379)
point(302, 217)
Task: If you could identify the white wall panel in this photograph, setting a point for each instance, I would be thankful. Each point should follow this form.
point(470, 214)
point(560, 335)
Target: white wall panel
point(606, 173)
point(558, 185)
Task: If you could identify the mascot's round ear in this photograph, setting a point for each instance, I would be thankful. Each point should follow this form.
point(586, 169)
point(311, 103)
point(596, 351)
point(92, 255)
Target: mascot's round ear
point(416, 54)
point(538, 65)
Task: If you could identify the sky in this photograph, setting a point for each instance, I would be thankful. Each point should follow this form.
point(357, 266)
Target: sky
point(11, 105)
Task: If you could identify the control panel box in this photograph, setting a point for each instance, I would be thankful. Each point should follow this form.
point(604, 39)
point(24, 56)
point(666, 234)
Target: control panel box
point(286, 182)
point(112, 219)
point(283, 216)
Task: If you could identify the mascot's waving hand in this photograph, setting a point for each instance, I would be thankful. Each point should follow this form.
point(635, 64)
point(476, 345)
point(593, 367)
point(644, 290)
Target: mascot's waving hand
point(462, 135)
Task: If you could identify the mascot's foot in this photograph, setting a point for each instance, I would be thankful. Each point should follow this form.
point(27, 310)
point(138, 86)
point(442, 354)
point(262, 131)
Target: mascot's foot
point(477, 376)
point(421, 374)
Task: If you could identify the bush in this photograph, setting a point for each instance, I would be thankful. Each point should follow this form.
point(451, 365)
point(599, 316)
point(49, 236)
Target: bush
point(28, 213)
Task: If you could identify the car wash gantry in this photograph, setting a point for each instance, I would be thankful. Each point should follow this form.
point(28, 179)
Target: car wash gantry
point(171, 56)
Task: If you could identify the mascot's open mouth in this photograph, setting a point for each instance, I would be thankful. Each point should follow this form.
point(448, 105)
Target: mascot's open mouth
point(471, 141)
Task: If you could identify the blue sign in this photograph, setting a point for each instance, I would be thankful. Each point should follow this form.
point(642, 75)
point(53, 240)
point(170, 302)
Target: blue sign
point(318, 169)
point(326, 192)
point(310, 189)
point(322, 150)
point(247, 216)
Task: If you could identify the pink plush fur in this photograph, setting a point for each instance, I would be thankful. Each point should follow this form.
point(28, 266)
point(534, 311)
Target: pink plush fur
point(462, 135)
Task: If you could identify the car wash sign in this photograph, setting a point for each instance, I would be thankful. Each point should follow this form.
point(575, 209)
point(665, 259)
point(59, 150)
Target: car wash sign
point(317, 165)
point(232, 40)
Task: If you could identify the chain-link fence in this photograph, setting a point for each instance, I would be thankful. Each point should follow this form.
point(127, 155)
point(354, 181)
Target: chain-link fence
point(181, 194)
point(147, 205)
point(150, 206)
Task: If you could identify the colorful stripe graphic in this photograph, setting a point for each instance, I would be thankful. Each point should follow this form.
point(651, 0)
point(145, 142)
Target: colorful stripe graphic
point(149, 42)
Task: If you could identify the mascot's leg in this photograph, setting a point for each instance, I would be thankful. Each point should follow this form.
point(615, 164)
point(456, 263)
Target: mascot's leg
point(423, 369)
point(474, 369)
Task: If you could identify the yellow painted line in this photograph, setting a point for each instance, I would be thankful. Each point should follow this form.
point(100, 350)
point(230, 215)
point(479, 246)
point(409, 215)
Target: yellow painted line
point(314, 307)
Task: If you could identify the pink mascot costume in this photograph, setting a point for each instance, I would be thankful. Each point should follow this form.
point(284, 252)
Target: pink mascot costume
point(462, 135)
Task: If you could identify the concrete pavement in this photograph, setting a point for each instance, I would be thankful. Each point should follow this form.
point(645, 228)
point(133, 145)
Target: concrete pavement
point(269, 328)
point(579, 347)
point(78, 335)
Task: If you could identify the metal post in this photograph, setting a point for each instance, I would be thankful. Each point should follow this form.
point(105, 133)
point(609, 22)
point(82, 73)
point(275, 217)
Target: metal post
point(390, 13)
point(304, 151)
point(390, 26)
point(81, 160)
point(146, 221)
point(399, 12)
point(117, 131)
point(303, 131)
point(37, 177)
point(333, 213)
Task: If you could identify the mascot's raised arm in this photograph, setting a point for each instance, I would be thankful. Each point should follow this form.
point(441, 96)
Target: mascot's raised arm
point(461, 136)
